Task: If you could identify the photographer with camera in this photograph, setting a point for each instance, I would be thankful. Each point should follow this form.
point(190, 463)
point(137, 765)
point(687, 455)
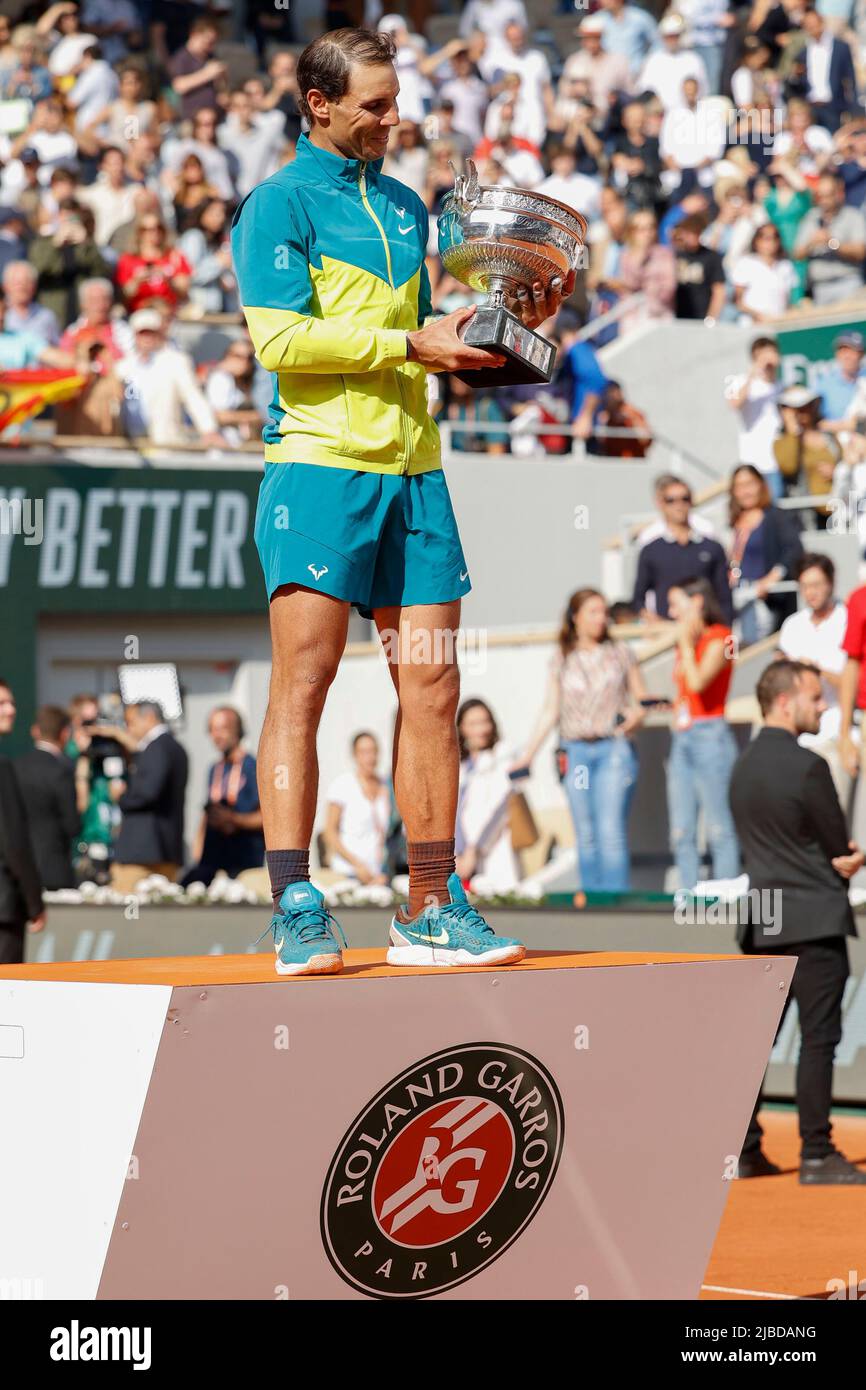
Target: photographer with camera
point(97, 747)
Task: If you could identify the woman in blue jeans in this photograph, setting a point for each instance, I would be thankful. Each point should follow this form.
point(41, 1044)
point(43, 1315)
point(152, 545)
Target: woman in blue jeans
point(593, 693)
point(703, 748)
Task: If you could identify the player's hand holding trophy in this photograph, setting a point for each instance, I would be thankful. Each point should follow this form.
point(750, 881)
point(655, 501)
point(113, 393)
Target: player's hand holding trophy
point(502, 241)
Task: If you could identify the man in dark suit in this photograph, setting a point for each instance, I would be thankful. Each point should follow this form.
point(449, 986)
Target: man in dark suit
point(151, 833)
point(20, 888)
point(798, 857)
point(47, 781)
point(821, 65)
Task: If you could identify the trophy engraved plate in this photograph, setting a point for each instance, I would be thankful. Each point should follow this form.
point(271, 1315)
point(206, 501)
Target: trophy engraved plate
point(498, 240)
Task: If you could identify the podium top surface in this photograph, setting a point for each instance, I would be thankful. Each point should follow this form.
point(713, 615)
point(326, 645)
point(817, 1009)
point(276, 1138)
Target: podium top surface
point(256, 969)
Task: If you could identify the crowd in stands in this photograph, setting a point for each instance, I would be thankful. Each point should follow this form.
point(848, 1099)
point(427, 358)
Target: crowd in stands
point(718, 153)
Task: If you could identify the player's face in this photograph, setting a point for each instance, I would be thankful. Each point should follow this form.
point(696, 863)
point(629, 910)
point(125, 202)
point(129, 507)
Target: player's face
point(361, 121)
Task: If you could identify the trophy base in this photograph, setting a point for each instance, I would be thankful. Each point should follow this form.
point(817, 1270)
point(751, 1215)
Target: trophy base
point(529, 357)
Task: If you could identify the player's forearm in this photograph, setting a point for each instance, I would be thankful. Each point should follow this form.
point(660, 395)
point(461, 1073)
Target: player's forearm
point(285, 341)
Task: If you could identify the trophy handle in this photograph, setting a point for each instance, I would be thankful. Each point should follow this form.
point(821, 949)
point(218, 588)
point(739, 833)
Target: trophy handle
point(466, 186)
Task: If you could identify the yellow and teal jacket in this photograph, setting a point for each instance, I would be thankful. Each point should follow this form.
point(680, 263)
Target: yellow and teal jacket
point(329, 257)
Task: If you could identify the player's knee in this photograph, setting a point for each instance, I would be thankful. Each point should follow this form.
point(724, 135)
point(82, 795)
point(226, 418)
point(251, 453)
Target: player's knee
point(300, 685)
point(431, 694)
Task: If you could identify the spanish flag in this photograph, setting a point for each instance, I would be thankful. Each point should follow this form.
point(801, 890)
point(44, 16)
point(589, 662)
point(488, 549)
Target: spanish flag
point(27, 393)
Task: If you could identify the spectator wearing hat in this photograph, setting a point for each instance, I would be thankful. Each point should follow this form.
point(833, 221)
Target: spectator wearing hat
point(23, 313)
point(606, 73)
point(161, 386)
point(839, 383)
point(628, 30)
point(832, 241)
point(667, 68)
point(806, 454)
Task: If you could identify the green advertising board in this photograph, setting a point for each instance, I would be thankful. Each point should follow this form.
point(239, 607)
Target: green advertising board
point(808, 351)
point(81, 540)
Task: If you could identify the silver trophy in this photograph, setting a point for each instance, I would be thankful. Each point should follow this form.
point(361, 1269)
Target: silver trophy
point(498, 240)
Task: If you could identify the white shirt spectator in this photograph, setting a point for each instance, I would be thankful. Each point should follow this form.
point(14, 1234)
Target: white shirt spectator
point(223, 393)
point(691, 136)
point(818, 67)
point(577, 191)
point(654, 529)
point(257, 150)
point(760, 423)
point(664, 73)
point(483, 821)
point(491, 18)
point(53, 147)
point(817, 140)
point(802, 639)
point(95, 88)
point(534, 70)
point(363, 823)
point(521, 168)
point(159, 389)
point(111, 207)
point(768, 288)
point(470, 99)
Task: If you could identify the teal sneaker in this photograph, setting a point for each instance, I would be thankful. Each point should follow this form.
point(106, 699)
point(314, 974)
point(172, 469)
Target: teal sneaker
point(303, 940)
point(453, 933)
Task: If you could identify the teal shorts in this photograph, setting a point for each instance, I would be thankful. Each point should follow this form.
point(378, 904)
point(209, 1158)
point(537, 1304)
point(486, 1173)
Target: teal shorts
point(376, 540)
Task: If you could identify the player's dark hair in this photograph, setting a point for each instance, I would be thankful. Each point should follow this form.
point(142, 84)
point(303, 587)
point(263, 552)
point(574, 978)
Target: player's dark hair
point(326, 63)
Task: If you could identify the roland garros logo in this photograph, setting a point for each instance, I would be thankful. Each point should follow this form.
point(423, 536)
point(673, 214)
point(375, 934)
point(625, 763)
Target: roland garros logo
point(442, 1171)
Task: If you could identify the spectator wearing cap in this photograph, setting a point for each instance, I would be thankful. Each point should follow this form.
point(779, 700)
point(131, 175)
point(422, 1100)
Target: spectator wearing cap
point(48, 136)
point(23, 313)
point(197, 77)
point(805, 453)
point(13, 246)
point(25, 79)
point(839, 383)
point(667, 68)
point(628, 30)
point(606, 73)
point(832, 241)
point(95, 86)
point(161, 387)
point(415, 88)
point(65, 259)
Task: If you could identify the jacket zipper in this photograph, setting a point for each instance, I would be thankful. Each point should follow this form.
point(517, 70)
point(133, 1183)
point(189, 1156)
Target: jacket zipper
point(404, 415)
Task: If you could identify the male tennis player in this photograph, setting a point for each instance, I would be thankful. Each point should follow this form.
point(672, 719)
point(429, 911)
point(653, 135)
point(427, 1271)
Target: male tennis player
point(353, 507)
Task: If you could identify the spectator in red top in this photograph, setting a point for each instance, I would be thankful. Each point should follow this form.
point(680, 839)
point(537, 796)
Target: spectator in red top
point(703, 748)
point(153, 270)
point(852, 690)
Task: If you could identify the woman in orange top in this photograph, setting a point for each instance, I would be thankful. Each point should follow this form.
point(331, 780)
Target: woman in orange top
point(703, 748)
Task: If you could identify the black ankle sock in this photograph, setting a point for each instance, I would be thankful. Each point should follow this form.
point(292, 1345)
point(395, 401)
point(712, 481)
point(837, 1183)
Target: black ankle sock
point(286, 866)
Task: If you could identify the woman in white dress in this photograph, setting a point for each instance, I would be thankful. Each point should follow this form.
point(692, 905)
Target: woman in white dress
point(483, 829)
point(358, 815)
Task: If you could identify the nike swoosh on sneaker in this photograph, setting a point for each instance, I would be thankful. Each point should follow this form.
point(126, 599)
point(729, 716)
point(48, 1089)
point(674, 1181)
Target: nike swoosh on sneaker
point(278, 945)
point(440, 940)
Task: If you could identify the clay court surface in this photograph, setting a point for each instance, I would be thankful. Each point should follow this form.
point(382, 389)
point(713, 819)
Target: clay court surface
point(780, 1240)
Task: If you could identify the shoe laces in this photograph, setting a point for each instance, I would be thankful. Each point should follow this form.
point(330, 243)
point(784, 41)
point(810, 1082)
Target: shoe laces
point(464, 914)
point(306, 925)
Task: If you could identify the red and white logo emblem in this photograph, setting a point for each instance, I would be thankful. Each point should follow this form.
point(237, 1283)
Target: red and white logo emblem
point(442, 1171)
